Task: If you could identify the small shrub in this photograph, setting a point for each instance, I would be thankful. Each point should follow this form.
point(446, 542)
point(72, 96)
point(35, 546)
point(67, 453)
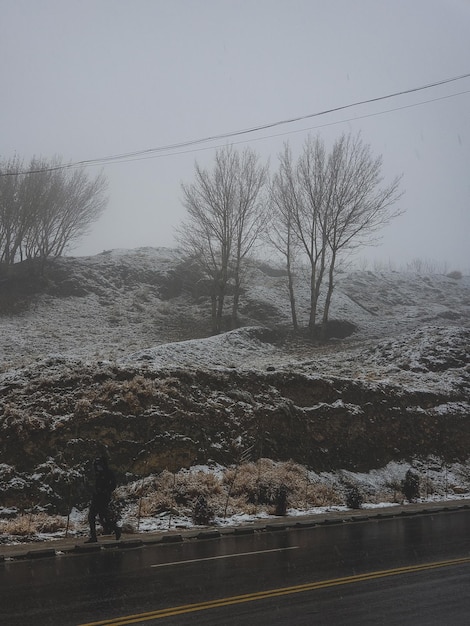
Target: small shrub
point(83, 407)
point(267, 493)
point(141, 387)
point(109, 389)
point(353, 497)
point(456, 275)
point(132, 402)
point(202, 512)
point(411, 486)
point(190, 485)
point(281, 500)
point(156, 503)
point(396, 489)
point(319, 494)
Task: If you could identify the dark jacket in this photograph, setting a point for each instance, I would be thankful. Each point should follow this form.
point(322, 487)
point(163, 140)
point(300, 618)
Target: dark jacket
point(105, 481)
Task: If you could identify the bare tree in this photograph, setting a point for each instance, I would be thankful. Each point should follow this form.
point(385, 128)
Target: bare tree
point(73, 203)
point(330, 203)
point(207, 235)
point(45, 208)
point(15, 213)
point(359, 204)
point(224, 218)
point(311, 215)
point(281, 233)
point(300, 193)
point(250, 216)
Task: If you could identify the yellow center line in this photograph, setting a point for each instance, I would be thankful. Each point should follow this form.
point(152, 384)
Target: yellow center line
point(273, 593)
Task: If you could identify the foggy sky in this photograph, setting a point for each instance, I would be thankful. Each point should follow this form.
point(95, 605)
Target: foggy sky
point(85, 79)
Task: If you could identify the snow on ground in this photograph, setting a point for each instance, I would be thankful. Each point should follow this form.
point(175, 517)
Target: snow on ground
point(441, 483)
point(430, 357)
point(233, 349)
point(120, 310)
point(411, 330)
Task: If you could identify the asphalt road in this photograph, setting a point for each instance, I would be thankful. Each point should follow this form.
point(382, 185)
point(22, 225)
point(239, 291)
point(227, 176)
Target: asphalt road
point(403, 570)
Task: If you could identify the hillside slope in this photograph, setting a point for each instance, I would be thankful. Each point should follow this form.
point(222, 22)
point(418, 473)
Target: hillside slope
point(113, 353)
point(121, 301)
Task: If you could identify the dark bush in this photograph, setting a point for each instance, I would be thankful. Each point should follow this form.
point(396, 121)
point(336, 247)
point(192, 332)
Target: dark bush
point(264, 494)
point(410, 486)
point(202, 512)
point(353, 497)
point(334, 329)
point(281, 500)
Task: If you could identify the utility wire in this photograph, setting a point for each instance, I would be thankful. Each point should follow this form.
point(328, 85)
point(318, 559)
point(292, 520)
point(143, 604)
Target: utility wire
point(299, 130)
point(153, 152)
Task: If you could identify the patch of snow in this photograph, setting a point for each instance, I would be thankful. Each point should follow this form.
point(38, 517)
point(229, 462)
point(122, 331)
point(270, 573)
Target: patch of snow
point(232, 349)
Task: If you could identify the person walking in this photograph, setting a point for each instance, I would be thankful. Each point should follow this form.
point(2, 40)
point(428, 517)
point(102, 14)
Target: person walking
point(105, 484)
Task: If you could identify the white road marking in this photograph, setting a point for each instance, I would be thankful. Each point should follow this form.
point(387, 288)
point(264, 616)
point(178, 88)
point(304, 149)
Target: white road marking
point(224, 556)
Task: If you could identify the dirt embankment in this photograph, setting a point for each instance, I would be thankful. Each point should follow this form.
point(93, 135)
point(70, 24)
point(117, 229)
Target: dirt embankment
point(150, 421)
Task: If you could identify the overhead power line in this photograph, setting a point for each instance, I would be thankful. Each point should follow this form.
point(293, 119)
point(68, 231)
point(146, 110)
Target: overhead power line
point(150, 152)
point(299, 130)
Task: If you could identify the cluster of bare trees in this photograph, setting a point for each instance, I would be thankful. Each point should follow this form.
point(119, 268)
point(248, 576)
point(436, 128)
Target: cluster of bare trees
point(45, 207)
point(312, 211)
point(325, 204)
point(225, 217)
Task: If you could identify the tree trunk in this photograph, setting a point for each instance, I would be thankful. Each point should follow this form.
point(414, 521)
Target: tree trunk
point(290, 279)
point(220, 311)
point(236, 299)
point(313, 300)
point(313, 313)
point(214, 313)
point(221, 285)
point(331, 287)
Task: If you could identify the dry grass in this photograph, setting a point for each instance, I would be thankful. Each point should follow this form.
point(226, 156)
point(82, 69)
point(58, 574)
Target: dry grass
point(250, 488)
point(30, 524)
point(177, 492)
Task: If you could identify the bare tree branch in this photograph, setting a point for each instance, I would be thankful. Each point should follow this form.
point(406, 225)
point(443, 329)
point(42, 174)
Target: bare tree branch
point(224, 219)
point(331, 203)
point(43, 213)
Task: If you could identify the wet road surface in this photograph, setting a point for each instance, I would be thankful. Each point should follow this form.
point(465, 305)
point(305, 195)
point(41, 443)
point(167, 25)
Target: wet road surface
point(406, 570)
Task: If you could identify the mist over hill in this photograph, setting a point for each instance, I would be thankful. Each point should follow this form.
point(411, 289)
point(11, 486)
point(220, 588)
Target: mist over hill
point(113, 354)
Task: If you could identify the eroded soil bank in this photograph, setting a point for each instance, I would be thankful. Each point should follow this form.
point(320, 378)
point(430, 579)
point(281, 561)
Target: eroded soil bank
point(150, 421)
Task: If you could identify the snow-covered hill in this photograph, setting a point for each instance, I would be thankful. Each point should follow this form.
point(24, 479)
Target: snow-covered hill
point(117, 303)
point(114, 353)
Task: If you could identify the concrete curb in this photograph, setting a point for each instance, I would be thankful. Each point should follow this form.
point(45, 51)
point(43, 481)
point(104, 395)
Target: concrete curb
point(60, 547)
